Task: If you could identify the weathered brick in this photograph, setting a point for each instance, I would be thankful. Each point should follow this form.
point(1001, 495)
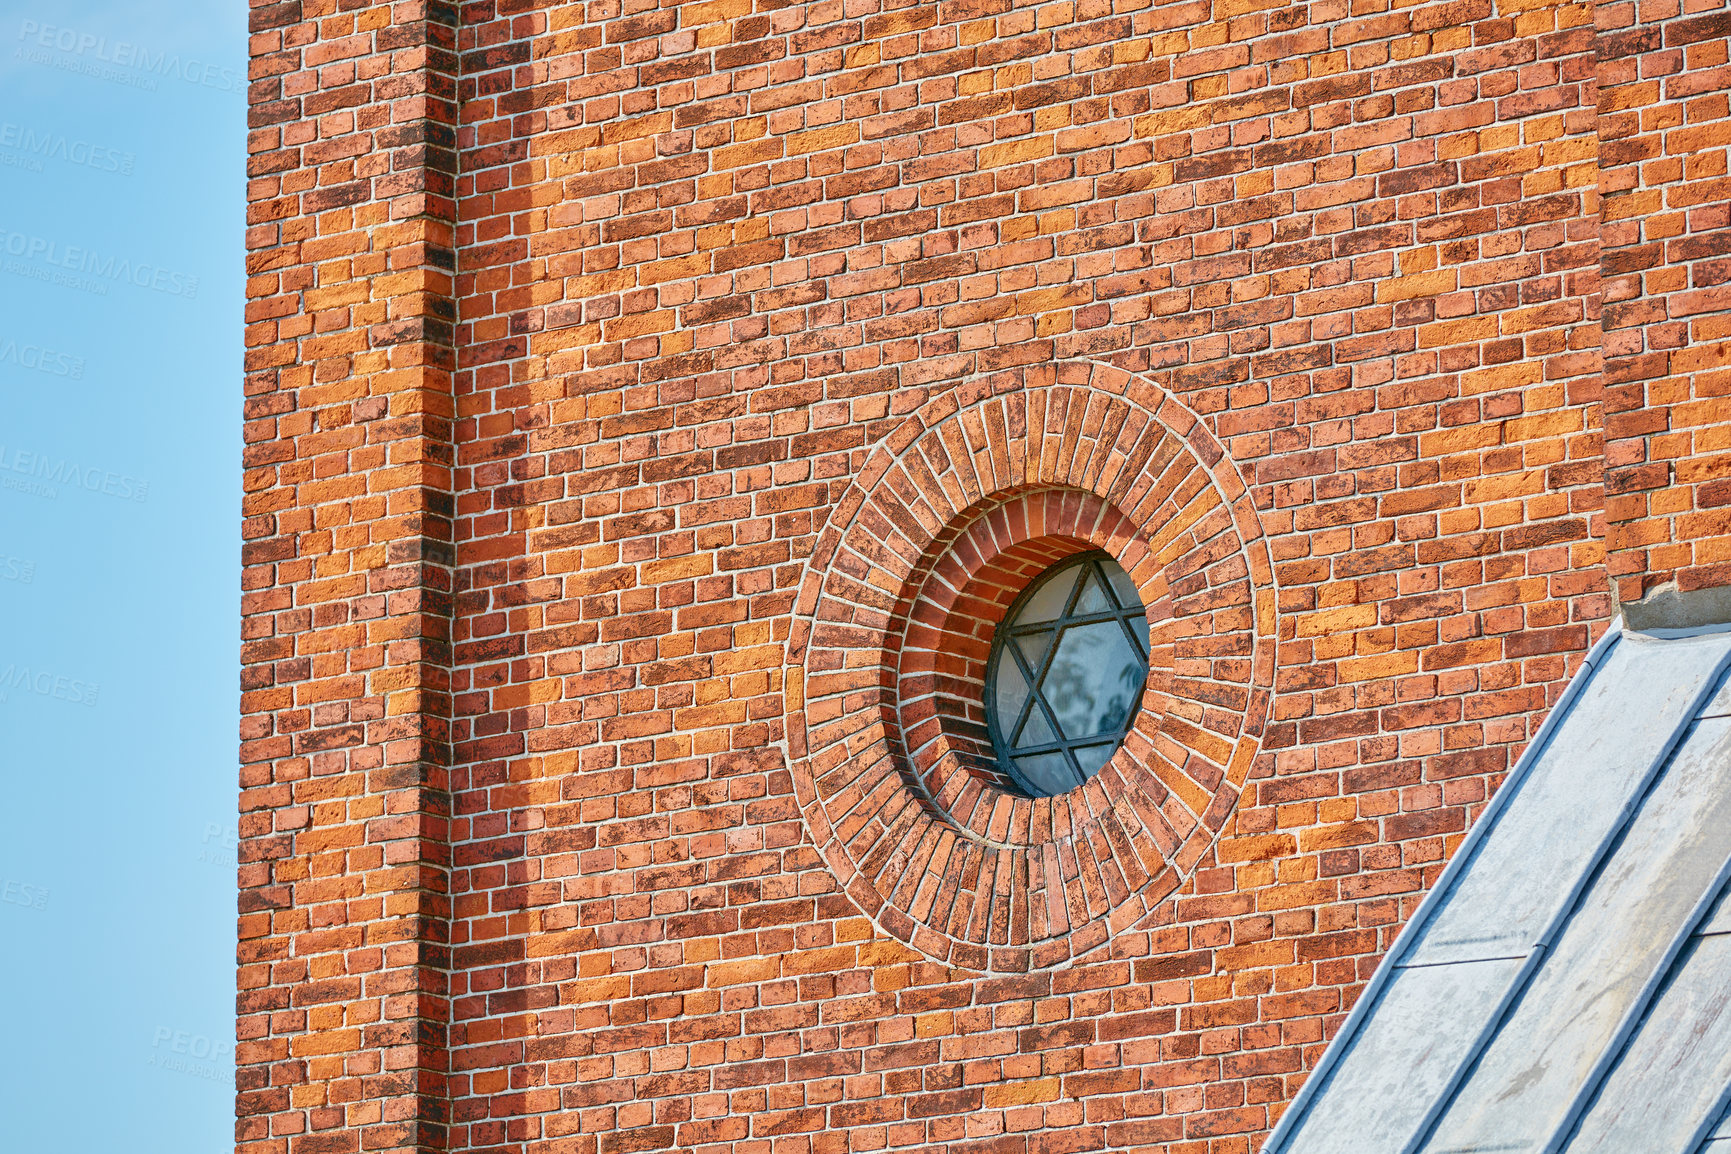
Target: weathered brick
point(574, 372)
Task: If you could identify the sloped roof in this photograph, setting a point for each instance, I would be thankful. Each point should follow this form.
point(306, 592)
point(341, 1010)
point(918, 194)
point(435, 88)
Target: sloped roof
point(1566, 987)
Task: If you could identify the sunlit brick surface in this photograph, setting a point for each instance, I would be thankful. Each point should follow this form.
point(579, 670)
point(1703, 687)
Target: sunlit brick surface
point(1664, 128)
point(580, 334)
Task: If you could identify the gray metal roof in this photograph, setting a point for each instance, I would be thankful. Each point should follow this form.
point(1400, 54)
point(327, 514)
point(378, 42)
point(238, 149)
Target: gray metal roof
point(1566, 987)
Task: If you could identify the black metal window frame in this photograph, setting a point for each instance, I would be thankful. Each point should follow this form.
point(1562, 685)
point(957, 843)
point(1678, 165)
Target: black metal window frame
point(1034, 677)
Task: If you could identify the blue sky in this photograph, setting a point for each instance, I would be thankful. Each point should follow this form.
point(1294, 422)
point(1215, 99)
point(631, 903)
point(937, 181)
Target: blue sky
point(122, 184)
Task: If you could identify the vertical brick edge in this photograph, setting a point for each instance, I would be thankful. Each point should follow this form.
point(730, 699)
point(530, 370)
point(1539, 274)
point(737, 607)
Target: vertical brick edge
point(343, 956)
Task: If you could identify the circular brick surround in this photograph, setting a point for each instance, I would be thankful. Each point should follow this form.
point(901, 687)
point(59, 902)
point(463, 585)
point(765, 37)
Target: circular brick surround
point(974, 494)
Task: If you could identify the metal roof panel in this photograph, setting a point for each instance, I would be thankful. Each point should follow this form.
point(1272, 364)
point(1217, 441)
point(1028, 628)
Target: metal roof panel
point(1384, 1086)
point(1554, 827)
point(1618, 943)
point(1669, 1085)
point(1557, 975)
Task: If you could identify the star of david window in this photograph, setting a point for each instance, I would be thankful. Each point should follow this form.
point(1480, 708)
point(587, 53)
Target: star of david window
point(1066, 674)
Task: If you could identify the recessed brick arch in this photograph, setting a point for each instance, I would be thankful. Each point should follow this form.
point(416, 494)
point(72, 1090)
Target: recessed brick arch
point(973, 494)
point(947, 626)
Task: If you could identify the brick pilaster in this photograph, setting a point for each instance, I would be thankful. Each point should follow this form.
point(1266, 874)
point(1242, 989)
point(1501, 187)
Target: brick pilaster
point(343, 932)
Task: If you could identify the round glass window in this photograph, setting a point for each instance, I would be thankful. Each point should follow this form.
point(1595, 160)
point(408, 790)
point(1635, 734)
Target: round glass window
point(1066, 674)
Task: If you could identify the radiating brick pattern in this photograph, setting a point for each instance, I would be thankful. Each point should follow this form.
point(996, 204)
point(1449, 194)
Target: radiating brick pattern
point(941, 857)
point(340, 1038)
point(1665, 124)
point(719, 267)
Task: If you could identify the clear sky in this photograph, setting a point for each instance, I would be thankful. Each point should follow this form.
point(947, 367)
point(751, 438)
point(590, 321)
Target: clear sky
point(122, 185)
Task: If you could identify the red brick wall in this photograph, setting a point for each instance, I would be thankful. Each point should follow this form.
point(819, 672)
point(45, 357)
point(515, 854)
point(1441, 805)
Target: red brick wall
point(754, 308)
point(1664, 82)
point(342, 1001)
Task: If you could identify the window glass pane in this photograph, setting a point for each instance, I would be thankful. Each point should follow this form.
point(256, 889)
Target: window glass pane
point(1049, 600)
point(1033, 647)
point(1091, 679)
point(1035, 732)
point(1011, 689)
point(1093, 599)
point(1092, 757)
point(1048, 773)
point(1065, 688)
point(1122, 587)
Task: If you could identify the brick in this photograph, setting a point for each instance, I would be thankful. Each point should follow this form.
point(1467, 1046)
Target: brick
point(620, 391)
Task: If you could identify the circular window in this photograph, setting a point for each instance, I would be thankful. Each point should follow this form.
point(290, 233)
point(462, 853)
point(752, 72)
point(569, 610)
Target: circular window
point(1066, 673)
point(897, 748)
